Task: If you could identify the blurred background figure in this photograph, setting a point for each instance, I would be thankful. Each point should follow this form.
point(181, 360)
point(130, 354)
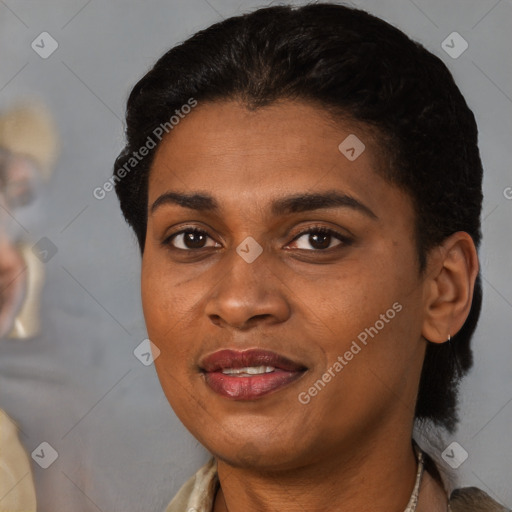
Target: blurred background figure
point(28, 148)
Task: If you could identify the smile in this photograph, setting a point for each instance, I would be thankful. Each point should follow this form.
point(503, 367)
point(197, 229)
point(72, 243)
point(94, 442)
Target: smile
point(250, 374)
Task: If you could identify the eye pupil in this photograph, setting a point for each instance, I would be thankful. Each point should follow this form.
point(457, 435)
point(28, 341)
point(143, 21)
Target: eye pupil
point(319, 240)
point(194, 240)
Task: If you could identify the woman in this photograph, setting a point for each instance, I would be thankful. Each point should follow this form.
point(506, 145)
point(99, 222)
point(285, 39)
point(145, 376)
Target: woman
point(305, 187)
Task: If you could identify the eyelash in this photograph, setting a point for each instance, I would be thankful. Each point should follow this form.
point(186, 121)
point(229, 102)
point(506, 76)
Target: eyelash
point(322, 230)
point(316, 230)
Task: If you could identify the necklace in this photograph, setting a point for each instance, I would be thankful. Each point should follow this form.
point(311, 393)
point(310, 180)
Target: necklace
point(413, 500)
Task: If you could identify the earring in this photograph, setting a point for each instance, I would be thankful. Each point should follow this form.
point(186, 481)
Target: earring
point(449, 337)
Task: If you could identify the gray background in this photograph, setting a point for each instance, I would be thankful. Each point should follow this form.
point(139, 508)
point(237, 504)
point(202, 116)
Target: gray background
point(78, 386)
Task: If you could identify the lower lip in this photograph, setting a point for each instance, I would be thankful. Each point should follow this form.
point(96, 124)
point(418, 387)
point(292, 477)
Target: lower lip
point(249, 388)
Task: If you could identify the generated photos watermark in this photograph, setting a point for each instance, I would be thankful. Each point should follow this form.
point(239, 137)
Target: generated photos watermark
point(151, 142)
point(355, 348)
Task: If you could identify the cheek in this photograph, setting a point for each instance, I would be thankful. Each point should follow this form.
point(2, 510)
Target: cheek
point(158, 304)
point(354, 295)
point(171, 309)
point(373, 303)
point(162, 296)
point(166, 316)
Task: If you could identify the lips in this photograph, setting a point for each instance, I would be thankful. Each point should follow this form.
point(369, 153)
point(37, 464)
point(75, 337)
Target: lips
point(255, 357)
point(249, 374)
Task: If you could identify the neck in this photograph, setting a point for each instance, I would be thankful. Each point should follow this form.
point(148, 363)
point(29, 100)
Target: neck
point(369, 476)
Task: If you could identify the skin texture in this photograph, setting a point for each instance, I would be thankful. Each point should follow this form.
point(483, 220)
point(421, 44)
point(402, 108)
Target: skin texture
point(349, 448)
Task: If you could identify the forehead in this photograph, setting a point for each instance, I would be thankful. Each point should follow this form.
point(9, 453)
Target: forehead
point(245, 156)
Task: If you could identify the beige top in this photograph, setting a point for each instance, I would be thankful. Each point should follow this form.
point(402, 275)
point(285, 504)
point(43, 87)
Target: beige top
point(198, 495)
point(17, 492)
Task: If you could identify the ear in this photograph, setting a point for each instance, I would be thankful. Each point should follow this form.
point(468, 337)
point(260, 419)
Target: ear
point(452, 269)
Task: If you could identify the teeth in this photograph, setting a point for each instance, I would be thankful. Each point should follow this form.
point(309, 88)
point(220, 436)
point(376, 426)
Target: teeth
point(248, 370)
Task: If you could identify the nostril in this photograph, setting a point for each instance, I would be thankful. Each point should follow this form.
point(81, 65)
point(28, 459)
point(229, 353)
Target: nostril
point(216, 320)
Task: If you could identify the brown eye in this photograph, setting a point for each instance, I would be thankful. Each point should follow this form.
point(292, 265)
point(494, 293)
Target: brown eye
point(190, 239)
point(319, 239)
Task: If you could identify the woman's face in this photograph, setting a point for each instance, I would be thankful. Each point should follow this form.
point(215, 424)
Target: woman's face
point(345, 303)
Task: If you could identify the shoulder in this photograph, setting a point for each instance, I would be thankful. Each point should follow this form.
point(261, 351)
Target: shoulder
point(471, 499)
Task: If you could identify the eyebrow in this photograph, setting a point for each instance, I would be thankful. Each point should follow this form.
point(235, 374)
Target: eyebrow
point(290, 204)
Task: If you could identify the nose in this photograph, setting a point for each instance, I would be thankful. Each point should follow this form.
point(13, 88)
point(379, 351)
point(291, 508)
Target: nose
point(248, 294)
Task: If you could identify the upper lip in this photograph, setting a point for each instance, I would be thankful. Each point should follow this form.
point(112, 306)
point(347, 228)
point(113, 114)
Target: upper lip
point(227, 358)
